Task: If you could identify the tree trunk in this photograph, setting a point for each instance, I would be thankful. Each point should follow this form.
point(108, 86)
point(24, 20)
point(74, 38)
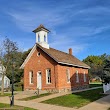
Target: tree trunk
point(2, 88)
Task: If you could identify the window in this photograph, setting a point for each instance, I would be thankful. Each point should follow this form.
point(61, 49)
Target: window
point(38, 38)
point(44, 38)
point(84, 76)
point(68, 75)
point(77, 77)
point(31, 77)
point(38, 54)
point(48, 76)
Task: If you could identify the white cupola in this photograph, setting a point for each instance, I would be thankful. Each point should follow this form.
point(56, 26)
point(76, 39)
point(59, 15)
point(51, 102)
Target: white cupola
point(41, 36)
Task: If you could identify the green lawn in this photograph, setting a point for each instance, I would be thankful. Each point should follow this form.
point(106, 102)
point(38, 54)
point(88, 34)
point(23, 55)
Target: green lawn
point(77, 99)
point(5, 94)
point(9, 108)
point(36, 96)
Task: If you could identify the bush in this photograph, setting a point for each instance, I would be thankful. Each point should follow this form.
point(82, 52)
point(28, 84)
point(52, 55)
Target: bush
point(18, 86)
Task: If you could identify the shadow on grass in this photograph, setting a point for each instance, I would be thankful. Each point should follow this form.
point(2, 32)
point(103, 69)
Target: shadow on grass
point(95, 85)
point(77, 99)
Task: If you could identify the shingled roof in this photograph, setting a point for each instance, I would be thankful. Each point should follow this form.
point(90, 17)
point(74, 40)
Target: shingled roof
point(63, 58)
point(41, 27)
point(59, 56)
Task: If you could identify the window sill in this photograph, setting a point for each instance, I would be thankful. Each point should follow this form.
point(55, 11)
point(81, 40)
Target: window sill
point(68, 82)
point(48, 83)
point(31, 83)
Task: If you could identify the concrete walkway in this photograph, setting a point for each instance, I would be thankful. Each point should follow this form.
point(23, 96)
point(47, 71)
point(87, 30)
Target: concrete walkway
point(60, 94)
point(101, 104)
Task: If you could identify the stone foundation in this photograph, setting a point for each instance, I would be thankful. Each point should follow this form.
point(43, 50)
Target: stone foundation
point(67, 89)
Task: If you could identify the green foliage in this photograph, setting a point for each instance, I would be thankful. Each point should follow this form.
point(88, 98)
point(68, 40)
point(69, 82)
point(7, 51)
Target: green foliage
point(106, 75)
point(97, 64)
point(11, 58)
point(18, 59)
point(100, 66)
point(18, 86)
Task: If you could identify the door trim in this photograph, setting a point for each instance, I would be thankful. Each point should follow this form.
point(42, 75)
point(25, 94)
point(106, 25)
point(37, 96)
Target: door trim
point(39, 72)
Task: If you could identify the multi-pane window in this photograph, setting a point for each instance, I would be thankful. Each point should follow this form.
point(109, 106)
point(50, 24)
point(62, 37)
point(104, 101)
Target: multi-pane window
point(77, 77)
point(31, 77)
point(48, 76)
point(68, 75)
point(84, 76)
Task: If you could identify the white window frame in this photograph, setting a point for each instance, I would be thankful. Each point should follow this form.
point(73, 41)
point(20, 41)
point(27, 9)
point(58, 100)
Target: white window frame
point(84, 76)
point(77, 76)
point(38, 38)
point(30, 77)
point(48, 77)
point(68, 75)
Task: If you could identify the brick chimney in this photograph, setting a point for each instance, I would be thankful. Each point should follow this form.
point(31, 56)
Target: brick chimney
point(70, 51)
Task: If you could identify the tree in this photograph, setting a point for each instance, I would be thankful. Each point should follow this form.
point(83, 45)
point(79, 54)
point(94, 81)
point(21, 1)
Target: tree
point(97, 63)
point(7, 53)
point(106, 72)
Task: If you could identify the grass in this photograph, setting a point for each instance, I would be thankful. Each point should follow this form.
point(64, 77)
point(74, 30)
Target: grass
point(77, 99)
point(95, 84)
point(10, 108)
point(5, 94)
point(36, 96)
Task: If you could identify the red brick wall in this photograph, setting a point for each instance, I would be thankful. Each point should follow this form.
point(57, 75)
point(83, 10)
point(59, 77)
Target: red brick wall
point(36, 64)
point(58, 73)
point(62, 78)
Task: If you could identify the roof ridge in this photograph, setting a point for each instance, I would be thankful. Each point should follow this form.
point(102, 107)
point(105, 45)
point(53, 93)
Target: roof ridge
point(60, 51)
point(63, 52)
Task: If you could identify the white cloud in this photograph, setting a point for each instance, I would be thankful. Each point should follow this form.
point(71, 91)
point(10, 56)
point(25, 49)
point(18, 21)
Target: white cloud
point(63, 43)
point(62, 15)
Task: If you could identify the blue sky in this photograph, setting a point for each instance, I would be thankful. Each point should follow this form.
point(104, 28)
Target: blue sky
point(83, 25)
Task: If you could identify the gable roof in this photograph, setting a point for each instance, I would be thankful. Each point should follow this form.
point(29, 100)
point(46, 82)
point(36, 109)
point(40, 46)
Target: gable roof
point(59, 56)
point(63, 58)
point(41, 27)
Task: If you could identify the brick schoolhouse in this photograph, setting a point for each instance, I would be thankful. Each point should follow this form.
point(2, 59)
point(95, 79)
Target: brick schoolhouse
point(50, 69)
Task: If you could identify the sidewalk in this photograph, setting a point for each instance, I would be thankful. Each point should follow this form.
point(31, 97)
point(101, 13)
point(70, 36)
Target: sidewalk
point(60, 94)
point(101, 104)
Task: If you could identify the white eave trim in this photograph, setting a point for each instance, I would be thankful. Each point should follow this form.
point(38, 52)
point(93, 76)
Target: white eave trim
point(64, 62)
point(32, 51)
point(28, 57)
point(72, 64)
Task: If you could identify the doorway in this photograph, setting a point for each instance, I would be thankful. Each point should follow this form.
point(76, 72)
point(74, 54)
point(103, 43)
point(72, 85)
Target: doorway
point(39, 80)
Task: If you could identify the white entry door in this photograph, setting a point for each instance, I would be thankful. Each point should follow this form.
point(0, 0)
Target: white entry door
point(39, 80)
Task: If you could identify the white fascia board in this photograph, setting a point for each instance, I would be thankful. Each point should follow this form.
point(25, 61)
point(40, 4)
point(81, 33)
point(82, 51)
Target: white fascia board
point(73, 65)
point(63, 62)
point(28, 57)
point(32, 51)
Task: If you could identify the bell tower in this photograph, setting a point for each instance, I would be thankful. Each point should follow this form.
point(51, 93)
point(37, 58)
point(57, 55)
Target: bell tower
point(41, 36)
